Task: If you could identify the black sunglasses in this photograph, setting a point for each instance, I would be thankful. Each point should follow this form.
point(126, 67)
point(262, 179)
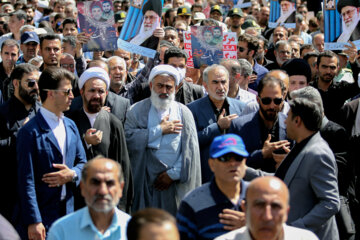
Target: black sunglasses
point(31, 83)
point(229, 156)
point(241, 49)
point(267, 100)
point(65, 91)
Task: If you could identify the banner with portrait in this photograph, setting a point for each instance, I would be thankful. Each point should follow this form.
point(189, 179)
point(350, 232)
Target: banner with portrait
point(142, 19)
point(341, 23)
point(96, 18)
point(282, 13)
point(228, 48)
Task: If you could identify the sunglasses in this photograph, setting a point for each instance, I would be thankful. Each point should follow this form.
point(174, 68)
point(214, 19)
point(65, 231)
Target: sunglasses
point(229, 156)
point(65, 91)
point(241, 49)
point(31, 83)
point(267, 100)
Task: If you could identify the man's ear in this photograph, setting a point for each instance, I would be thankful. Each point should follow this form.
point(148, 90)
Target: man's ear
point(16, 83)
point(150, 85)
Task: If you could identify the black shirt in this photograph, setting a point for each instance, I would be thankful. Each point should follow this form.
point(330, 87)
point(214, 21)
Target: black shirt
point(284, 166)
point(217, 112)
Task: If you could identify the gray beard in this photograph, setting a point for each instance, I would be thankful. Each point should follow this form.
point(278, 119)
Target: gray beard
point(161, 104)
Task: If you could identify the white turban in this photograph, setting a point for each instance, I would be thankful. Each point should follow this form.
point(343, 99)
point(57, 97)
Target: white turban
point(94, 72)
point(165, 69)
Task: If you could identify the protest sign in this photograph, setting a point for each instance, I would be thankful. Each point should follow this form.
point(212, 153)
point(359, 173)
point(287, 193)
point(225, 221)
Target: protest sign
point(341, 23)
point(96, 18)
point(243, 4)
point(282, 13)
point(142, 19)
point(229, 44)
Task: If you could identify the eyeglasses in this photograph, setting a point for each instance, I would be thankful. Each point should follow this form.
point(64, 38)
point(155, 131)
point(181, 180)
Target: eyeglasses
point(229, 156)
point(267, 100)
point(180, 30)
point(67, 65)
point(241, 49)
point(303, 12)
point(31, 83)
point(65, 91)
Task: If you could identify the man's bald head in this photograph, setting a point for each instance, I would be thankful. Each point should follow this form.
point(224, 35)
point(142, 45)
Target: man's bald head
point(279, 74)
point(102, 164)
point(266, 207)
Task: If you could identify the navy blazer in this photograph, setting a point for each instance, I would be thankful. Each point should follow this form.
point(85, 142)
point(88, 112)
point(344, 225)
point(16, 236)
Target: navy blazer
point(37, 150)
point(248, 128)
point(208, 129)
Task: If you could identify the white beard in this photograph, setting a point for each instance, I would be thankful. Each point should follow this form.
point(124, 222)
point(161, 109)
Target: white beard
point(143, 35)
point(284, 16)
point(347, 31)
point(161, 104)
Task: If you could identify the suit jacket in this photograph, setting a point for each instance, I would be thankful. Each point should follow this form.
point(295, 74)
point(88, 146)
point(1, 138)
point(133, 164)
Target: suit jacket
point(248, 127)
point(118, 105)
point(37, 150)
point(347, 115)
point(312, 183)
point(208, 129)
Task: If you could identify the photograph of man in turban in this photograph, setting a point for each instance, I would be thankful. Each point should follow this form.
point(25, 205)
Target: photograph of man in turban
point(349, 11)
point(287, 12)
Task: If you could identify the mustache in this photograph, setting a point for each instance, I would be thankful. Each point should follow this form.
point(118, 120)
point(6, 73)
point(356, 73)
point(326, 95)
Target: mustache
point(100, 197)
point(166, 95)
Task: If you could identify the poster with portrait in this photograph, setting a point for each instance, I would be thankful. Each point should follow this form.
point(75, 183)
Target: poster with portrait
point(142, 19)
point(96, 18)
point(243, 4)
point(207, 45)
point(341, 23)
point(282, 13)
point(229, 47)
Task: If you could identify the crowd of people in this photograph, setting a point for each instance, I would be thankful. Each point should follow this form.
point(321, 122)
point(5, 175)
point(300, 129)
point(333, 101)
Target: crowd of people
point(110, 144)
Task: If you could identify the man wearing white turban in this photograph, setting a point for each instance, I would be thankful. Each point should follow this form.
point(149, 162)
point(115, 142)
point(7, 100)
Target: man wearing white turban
point(163, 145)
point(102, 132)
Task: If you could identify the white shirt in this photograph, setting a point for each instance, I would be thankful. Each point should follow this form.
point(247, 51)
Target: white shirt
point(58, 128)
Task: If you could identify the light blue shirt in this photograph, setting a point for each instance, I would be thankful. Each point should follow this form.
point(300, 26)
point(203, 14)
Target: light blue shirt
point(168, 147)
point(79, 225)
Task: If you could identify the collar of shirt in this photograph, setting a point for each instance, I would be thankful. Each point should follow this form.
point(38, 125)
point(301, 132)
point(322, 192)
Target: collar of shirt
point(220, 198)
point(91, 117)
point(86, 222)
point(50, 116)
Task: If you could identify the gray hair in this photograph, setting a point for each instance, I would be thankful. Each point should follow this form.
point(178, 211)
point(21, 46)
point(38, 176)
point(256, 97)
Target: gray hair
point(6, 5)
point(212, 68)
point(118, 58)
point(68, 55)
point(281, 43)
point(70, 39)
point(28, 28)
point(246, 69)
point(309, 93)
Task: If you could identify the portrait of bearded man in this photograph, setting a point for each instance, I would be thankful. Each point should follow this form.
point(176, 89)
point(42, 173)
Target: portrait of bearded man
point(349, 11)
point(287, 11)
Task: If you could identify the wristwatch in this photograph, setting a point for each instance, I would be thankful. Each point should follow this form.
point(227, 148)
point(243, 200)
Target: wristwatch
point(75, 177)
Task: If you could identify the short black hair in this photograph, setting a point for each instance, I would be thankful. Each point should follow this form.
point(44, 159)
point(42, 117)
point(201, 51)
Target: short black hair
point(21, 69)
point(306, 46)
point(69, 21)
point(309, 112)
point(144, 217)
point(174, 52)
point(310, 55)
point(51, 77)
point(269, 80)
point(48, 37)
point(209, 22)
point(328, 54)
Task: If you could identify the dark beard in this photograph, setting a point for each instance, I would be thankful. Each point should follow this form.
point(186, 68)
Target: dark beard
point(25, 95)
point(267, 116)
point(93, 108)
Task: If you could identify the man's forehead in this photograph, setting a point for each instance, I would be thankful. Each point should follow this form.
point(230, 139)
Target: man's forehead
point(344, 9)
point(151, 13)
point(328, 60)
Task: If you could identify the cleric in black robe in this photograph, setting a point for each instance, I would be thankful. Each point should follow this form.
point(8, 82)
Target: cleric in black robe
point(107, 127)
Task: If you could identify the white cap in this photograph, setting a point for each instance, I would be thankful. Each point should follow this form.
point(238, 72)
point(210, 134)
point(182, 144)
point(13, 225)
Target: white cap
point(199, 16)
point(165, 69)
point(94, 72)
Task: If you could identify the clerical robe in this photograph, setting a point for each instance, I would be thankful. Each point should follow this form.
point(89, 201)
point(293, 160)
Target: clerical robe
point(113, 146)
point(146, 166)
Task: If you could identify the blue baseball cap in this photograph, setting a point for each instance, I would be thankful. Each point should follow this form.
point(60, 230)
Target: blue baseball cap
point(228, 143)
point(29, 37)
